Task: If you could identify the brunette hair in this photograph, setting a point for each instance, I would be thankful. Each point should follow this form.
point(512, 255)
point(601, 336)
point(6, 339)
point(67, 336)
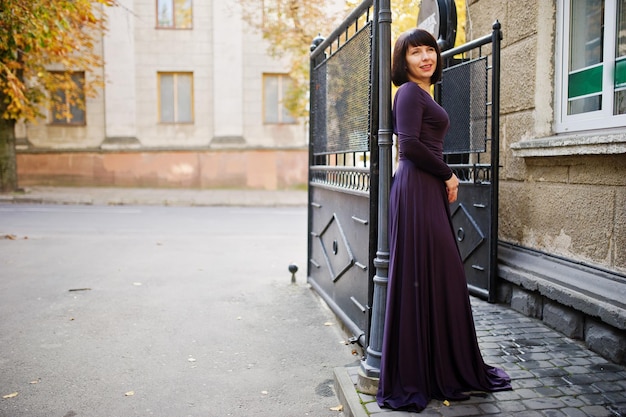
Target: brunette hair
point(413, 37)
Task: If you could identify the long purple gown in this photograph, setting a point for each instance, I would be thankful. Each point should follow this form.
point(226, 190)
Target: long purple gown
point(430, 349)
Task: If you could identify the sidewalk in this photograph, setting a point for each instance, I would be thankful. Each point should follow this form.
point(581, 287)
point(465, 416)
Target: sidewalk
point(156, 196)
point(552, 376)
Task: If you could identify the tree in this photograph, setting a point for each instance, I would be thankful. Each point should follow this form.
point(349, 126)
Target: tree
point(289, 27)
point(35, 37)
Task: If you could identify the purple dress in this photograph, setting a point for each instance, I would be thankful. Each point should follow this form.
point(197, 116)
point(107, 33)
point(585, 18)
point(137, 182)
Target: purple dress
point(430, 349)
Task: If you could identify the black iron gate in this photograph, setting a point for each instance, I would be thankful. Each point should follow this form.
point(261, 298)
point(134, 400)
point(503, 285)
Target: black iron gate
point(470, 93)
point(347, 250)
point(342, 169)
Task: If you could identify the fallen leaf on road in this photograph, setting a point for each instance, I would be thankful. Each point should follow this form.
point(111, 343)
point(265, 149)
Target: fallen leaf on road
point(446, 403)
point(10, 237)
point(11, 395)
point(338, 408)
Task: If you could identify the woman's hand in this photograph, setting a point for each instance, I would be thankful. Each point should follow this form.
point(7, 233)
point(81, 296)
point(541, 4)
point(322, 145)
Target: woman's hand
point(452, 187)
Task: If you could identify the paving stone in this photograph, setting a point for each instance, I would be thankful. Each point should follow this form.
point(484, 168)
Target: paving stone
point(535, 356)
point(553, 413)
point(553, 381)
point(536, 365)
point(576, 369)
point(582, 379)
point(489, 408)
point(526, 393)
point(592, 399)
point(607, 386)
point(548, 392)
point(576, 390)
point(506, 395)
point(596, 411)
point(366, 398)
point(519, 373)
point(526, 383)
point(528, 414)
point(511, 406)
point(549, 372)
point(615, 397)
point(373, 407)
point(559, 362)
point(460, 411)
point(510, 359)
point(574, 412)
point(572, 401)
point(491, 345)
point(579, 361)
point(543, 403)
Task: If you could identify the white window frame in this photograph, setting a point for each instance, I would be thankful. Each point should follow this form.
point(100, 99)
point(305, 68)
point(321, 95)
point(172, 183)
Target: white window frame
point(600, 119)
point(175, 23)
point(281, 110)
point(177, 117)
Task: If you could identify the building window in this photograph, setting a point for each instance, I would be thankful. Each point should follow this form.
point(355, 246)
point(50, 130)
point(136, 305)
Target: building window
point(174, 14)
point(68, 107)
point(176, 97)
point(592, 74)
point(275, 87)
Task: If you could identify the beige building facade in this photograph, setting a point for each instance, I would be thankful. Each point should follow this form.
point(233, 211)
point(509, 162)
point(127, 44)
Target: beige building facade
point(562, 222)
point(191, 98)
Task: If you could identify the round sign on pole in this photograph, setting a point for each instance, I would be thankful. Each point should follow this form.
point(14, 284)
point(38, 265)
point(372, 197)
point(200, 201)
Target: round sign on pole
point(439, 18)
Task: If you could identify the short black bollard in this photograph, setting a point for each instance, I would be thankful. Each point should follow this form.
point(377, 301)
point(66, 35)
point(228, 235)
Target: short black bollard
point(293, 268)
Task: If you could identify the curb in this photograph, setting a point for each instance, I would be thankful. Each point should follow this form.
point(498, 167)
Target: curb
point(157, 197)
point(348, 397)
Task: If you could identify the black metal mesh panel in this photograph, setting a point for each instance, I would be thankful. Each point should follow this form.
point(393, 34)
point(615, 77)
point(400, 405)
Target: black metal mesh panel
point(464, 96)
point(341, 97)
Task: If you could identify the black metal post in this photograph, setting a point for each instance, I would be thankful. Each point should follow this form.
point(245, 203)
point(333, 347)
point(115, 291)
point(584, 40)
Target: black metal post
point(496, 36)
point(370, 367)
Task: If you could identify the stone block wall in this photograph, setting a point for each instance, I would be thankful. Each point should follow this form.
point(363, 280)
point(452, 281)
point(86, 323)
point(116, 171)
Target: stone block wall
point(606, 340)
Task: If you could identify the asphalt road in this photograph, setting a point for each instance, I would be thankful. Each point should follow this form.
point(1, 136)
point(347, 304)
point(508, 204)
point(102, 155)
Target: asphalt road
point(162, 311)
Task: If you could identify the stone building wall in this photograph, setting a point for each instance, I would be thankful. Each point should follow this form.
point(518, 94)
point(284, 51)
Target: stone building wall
point(227, 59)
point(562, 199)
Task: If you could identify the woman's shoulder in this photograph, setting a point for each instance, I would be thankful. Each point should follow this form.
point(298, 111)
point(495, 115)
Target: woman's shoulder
point(412, 91)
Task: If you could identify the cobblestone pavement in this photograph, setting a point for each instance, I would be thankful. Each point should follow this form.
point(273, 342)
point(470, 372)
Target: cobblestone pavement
point(552, 375)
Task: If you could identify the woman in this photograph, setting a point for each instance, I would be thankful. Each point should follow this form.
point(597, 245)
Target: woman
point(430, 348)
